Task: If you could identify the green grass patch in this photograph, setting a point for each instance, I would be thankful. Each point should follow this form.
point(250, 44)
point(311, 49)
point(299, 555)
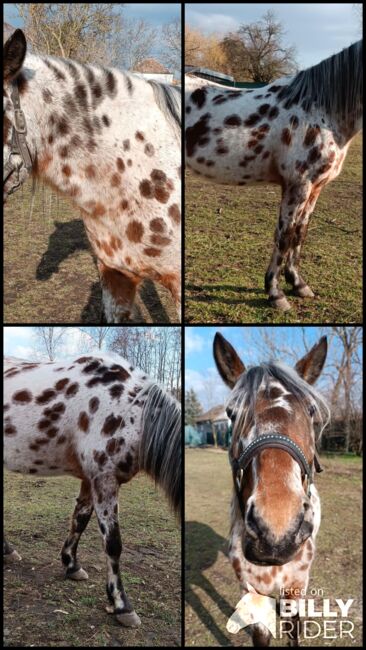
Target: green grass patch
point(229, 240)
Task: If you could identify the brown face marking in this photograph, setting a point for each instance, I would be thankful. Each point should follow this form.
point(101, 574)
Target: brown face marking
point(61, 383)
point(198, 97)
point(135, 231)
point(139, 136)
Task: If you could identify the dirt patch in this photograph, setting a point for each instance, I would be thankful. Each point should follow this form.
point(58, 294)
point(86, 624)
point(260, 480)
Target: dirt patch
point(37, 514)
point(50, 272)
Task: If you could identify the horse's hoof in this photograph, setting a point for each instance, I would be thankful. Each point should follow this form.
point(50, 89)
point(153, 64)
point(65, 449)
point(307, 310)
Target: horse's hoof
point(129, 619)
point(280, 303)
point(304, 292)
point(12, 557)
point(80, 574)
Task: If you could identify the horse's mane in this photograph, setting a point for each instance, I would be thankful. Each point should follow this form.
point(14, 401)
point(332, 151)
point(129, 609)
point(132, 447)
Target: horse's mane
point(168, 98)
point(160, 447)
point(335, 84)
point(245, 392)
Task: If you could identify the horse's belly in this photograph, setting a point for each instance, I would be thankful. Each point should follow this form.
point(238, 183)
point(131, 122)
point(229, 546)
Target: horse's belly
point(234, 170)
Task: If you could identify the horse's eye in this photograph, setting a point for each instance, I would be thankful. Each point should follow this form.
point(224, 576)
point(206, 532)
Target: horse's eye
point(231, 414)
point(311, 410)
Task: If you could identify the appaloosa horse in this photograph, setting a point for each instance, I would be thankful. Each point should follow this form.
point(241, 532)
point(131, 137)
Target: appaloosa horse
point(111, 142)
point(102, 421)
point(275, 510)
point(294, 132)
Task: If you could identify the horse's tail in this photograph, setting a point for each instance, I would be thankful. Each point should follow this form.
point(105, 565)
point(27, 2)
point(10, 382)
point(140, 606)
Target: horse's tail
point(160, 453)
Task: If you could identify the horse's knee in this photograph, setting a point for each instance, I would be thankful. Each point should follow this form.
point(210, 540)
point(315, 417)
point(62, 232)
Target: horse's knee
point(119, 291)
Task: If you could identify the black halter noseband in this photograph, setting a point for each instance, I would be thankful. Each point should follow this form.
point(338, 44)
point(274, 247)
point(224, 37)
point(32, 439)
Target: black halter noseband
point(271, 441)
point(18, 145)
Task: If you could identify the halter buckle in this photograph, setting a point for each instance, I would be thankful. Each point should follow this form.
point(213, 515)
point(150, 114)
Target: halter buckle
point(20, 123)
point(239, 480)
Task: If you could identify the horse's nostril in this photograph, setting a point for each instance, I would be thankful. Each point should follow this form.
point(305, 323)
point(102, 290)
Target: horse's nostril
point(306, 504)
point(251, 523)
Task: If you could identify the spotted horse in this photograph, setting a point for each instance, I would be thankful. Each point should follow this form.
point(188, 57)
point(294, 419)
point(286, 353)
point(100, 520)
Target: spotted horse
point(110, 141)
point(294, 132)
point(275, 507)
point(101, 421)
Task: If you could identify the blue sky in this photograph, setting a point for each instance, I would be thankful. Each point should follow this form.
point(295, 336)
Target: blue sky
point(200, 369)
point(317, 30)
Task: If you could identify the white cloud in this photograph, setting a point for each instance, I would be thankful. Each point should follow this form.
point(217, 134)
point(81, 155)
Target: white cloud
point(193, 342)
point(211, 22)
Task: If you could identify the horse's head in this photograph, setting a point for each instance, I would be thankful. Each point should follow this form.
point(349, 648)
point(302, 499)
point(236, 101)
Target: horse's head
point(274, 494)
point(16, 158)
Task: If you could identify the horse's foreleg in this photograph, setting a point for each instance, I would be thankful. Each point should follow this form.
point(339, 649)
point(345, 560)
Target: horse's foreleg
point(105, 498)
point(10, 553)
point(293, 203)
point(292, 275)
point(172, 281)
point(118, 291)
point(80, 518)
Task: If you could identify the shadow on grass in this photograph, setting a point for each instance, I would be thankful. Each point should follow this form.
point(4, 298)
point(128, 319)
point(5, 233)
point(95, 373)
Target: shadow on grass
point(253, 302)
point(202, 546)
point(65, 240)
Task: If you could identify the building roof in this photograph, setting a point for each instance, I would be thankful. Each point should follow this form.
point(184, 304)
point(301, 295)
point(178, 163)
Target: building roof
point(214, 414)
point(151, 66)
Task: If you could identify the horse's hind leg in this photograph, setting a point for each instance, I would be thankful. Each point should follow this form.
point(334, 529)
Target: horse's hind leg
point(293, 200)
point(292, 275)
point(10, 553)
point(119, 291)
point(82, 513)
point(105, 498)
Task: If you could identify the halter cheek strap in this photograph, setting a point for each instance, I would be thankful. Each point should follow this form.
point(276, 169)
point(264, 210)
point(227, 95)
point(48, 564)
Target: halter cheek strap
point(18, 145)
point(271, 441)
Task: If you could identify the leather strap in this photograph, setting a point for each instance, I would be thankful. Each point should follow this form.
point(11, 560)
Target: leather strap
point(271, 441)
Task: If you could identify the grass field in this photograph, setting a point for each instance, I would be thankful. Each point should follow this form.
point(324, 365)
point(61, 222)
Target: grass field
point(211, 586)
point(50, 273)
point(37, 514)
point(228, 244)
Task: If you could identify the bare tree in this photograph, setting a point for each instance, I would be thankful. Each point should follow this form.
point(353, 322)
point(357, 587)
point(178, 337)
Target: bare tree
point(136, 43)
point(83, 31)
point(97, 335)
point(263, 56)
point(156, 350)
point(49, 340)
point(172, 45)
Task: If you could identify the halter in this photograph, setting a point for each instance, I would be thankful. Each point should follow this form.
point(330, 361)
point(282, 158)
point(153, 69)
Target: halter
point(271, 441)
point(18, 145)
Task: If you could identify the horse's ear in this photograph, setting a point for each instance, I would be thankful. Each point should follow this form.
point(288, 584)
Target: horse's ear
point(15, 50)
point(311, 365)
point(228, 363)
